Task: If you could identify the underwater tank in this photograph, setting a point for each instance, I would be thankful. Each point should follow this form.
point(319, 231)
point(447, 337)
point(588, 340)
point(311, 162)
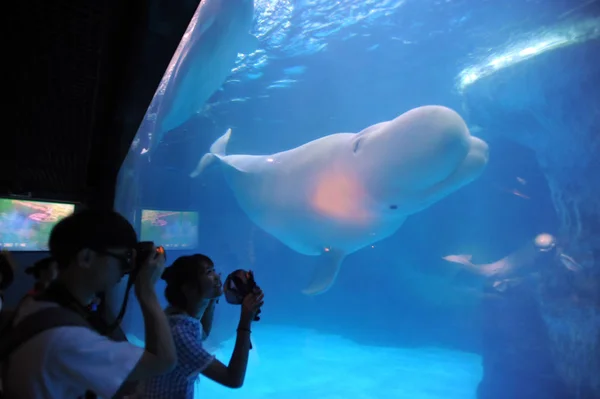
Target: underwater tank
point(413, 183)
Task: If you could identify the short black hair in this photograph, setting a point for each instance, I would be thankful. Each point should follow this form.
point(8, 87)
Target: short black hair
point(90, 228)
point(183, 270)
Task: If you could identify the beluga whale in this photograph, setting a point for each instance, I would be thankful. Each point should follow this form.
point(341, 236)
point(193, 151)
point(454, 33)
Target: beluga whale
point(337, 194)
point(218, 31)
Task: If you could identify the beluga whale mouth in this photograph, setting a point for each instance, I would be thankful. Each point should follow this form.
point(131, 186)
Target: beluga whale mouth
point(342, 192)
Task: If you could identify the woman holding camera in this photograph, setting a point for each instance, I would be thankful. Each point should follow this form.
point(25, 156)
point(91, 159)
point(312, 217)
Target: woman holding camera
point(192, 289)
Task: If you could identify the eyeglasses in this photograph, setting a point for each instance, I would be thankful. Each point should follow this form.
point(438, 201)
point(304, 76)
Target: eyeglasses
point(125, 261)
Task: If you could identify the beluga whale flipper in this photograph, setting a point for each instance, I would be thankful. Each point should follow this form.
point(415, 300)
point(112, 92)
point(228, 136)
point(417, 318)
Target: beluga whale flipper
point(218, 31)
point(339, 193)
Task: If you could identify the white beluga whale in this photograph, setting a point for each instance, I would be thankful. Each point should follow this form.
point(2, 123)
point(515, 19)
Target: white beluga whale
point(218, 31)
point(340, 193)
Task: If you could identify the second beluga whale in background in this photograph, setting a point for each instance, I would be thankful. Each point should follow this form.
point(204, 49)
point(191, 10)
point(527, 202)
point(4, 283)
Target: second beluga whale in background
point(218, 31)
point(340, 193)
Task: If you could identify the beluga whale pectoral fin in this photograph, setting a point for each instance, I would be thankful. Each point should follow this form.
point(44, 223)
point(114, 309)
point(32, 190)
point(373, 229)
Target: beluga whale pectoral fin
point(326, 272)
point(217, 151)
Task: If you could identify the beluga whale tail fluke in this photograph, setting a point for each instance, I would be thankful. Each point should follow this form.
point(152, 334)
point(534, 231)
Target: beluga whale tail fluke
point(340, 193)
point(217, 149)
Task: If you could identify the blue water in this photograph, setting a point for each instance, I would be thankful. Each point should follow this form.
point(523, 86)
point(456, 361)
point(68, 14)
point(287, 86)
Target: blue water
point(399, 322)
point(300, 363)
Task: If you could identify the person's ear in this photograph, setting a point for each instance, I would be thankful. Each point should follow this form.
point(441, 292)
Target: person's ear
point(84, 258)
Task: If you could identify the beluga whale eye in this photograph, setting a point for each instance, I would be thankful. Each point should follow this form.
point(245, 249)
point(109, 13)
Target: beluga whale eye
point(393, 206)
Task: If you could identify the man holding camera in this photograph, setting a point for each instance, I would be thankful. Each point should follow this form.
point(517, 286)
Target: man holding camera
point(94, 250)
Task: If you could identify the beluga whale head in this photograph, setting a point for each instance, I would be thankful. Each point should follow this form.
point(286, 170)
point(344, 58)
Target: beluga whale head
point(418, 158)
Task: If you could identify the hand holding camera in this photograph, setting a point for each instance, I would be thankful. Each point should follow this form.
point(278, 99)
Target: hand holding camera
point(149, 263)
point(251, 306)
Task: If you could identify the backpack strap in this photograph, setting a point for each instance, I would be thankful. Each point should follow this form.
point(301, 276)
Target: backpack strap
point(37, 323)
point(13, 337)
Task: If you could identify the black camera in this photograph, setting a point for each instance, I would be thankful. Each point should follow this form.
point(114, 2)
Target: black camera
point(144, 251)
point(238, 285)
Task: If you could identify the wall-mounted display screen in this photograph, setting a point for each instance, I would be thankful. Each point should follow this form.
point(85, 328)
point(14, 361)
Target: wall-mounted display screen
point(171, 229)
point(26, 225)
